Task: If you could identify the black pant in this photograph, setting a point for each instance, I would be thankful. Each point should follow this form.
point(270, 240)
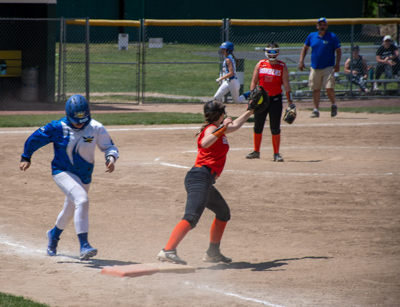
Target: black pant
point(275, 113)
point(387, 69)
point(201, 194)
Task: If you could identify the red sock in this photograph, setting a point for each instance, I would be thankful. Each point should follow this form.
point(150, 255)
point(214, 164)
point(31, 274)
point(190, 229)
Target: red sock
point(276, 141)
point(179, 232)
point(217, 230)
point(257, 137)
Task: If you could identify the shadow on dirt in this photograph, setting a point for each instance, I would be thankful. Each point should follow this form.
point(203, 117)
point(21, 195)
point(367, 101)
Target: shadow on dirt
point(95, 263)
point(262, 266)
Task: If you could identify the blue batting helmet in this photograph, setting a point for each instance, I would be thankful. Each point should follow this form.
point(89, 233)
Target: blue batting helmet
point(77, 110)
point(228, 46)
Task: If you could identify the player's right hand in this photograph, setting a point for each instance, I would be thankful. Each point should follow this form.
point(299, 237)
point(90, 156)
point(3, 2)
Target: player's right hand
point(23, 166)
point(301, 66)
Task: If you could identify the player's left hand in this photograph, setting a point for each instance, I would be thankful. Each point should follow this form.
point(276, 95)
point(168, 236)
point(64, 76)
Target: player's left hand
point(337, 68)
point(24, 165)
point(110, 164)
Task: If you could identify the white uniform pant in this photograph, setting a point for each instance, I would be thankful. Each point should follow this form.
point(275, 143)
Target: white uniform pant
point(76, 202)
point(232, 86)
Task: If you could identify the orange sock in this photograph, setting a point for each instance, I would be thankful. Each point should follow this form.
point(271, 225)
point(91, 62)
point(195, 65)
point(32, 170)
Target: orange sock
point(276, 141)
point(257, 137)
point(179, 232)
point(217, 230)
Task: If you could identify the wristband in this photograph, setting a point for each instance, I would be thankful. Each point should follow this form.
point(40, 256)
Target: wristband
point(289, 96)
point(24, 159)
point(109, 159)
point(220, 131)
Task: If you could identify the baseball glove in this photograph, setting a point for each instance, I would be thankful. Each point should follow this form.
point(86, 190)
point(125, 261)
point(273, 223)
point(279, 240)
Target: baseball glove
point(290, 114)
point(258, 100)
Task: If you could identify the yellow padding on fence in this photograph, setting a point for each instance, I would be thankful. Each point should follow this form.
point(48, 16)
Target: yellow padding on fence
point(183, 22)
point(104, 22)
point(233, 22)
point(310, 22)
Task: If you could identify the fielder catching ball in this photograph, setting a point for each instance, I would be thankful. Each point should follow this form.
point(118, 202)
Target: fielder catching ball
point(74, 138)
point(212, 146)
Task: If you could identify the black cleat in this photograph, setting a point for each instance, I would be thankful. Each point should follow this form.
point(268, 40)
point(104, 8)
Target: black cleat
point(333, 110)
point(278, 158)
point(170, 256)
point(253, 155)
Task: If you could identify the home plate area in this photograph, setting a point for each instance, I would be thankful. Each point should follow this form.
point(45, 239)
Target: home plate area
point(140, 269)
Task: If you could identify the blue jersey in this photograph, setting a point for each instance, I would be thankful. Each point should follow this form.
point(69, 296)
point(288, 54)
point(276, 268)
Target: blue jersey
point(225, 66)
point(73, 148)
point(323, 49)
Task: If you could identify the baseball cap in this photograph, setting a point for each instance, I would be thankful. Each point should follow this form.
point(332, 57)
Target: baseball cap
point(322, 19)
point(387, 38)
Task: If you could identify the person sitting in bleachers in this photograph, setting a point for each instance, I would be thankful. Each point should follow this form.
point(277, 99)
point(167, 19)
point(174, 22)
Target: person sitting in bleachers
point(387, 57)
point(356, 69)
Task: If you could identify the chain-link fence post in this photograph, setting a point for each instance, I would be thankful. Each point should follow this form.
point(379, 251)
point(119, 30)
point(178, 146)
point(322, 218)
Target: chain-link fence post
point(87, 60)
point(60, 59)
point(351, 59)
point(142, 62)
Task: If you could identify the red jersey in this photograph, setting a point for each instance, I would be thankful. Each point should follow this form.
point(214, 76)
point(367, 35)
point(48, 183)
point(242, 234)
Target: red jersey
point(270, 76)
point(214, 156)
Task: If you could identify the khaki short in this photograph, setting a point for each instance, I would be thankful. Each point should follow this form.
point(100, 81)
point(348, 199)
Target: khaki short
point(321, 78)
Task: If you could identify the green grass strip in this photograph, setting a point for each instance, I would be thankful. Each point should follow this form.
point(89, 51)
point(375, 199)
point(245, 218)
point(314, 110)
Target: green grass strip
point(375, 110)
point(17, 301)
point(151, 118)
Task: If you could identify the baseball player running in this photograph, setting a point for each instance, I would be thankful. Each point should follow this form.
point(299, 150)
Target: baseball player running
point(74, 138)
point(229, 81)
point(270, 73)
point(212, 147)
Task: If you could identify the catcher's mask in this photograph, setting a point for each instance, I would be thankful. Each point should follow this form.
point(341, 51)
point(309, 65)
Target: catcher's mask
point(271, 53)
point(213, 110)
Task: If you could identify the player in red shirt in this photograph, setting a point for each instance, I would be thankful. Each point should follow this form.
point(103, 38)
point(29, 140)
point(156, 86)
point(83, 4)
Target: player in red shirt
point(270, 73)
point(213, 147)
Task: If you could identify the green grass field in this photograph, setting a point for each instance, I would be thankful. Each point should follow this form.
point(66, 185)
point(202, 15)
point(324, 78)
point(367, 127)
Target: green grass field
point(8, 300)
point(152, 118)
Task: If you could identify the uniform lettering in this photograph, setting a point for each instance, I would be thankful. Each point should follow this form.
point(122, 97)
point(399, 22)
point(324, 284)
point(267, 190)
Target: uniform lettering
point(270, 71)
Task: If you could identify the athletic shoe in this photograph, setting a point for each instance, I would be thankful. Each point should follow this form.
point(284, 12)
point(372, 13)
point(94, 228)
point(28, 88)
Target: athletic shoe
point(52, 246)
point(87, 252)
point(315, 113)
point(218, 257)
point(253, 155)
point(278, 158)
point(170, 256)
point(333, 110)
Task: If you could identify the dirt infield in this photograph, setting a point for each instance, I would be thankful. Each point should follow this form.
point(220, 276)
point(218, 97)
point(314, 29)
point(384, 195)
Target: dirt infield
point(320, 229)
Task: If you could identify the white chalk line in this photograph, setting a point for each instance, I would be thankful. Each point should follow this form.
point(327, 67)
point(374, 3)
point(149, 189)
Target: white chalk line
point(18, 248)
point(313, 147)
point(244, 298)
point(270, 173)
point(168, 128)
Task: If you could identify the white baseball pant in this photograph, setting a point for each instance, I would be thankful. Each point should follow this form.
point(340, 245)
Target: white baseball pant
point(76, 202)
point(232, 86)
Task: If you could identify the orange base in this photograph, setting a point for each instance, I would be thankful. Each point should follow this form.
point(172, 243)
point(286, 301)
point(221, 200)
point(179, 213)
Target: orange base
point(134, 270)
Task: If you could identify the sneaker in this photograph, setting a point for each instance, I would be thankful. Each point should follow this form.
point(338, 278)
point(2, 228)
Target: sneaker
point(315, 113)
point(170, 256)
point(218, 257)
point(52, 246)
point(253, 155)
point(278, 158)
point(87, 252)
point(333, 110)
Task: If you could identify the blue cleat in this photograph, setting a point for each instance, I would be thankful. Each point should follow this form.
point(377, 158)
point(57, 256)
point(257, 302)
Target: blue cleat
point(87, 252)
point(52, 246)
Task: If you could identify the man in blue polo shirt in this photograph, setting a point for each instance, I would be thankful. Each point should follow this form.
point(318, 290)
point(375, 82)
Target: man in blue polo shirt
point(324, 45)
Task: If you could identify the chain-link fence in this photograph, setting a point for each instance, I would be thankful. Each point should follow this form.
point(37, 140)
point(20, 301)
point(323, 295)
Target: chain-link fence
point(172, 61)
